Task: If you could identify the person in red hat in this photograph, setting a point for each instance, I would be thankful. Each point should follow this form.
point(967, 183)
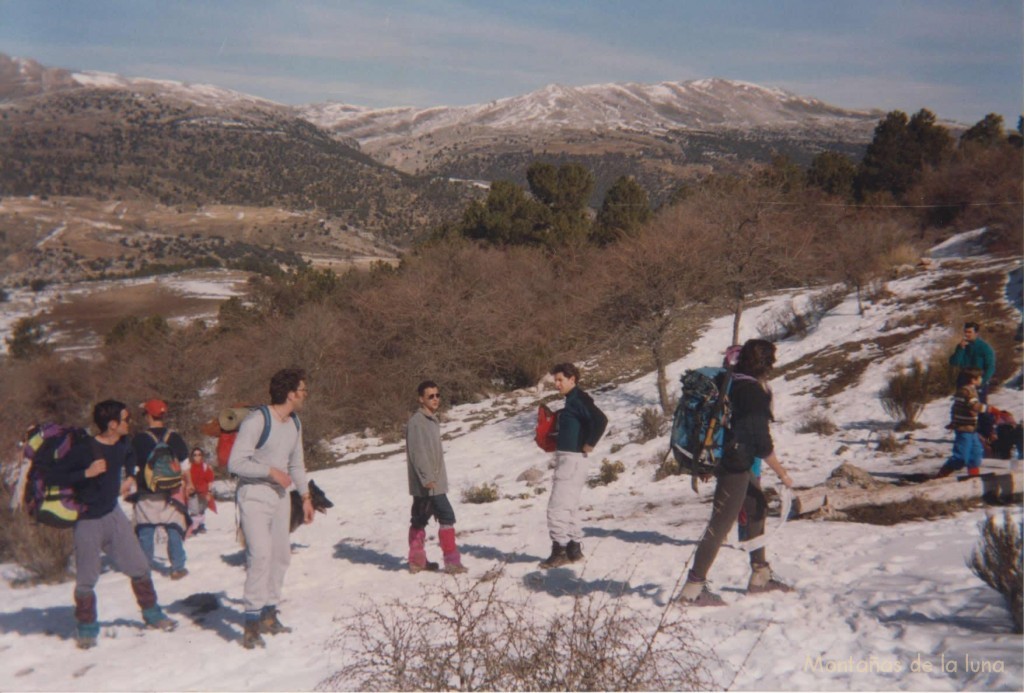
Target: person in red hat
point(159, 505)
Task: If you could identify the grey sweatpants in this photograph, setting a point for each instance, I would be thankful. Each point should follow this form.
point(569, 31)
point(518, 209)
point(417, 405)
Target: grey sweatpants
point(733, 492)
point(265, 512)
point(564, 502)
point(113, 535)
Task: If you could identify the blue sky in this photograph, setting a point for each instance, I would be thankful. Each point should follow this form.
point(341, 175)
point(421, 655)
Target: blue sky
point(960, 58)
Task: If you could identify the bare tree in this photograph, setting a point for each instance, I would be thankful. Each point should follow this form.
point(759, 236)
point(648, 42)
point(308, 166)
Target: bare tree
point(755, 237)
point(649, 280)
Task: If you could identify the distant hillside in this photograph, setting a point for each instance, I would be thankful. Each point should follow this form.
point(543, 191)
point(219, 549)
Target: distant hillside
point(387, 171)
point(181, 145)
point(660, 133)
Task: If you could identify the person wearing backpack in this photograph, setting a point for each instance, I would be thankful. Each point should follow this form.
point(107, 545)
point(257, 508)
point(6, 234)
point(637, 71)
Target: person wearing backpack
point(95, 469)
point(580, 426)
point(265, 472)
point(162, 482)
point(746, 439)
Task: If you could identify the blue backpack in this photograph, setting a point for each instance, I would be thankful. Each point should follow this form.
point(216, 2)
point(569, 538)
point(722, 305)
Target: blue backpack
point(700, 420)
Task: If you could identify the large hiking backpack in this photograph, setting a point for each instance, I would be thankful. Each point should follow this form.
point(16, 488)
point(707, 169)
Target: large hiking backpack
point(162, 470)
point(230, 420)
point(46, 447)
point(700, 420)
point(546, 435)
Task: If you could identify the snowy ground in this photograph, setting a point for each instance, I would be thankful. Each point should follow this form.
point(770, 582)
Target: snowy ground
point(876, 608)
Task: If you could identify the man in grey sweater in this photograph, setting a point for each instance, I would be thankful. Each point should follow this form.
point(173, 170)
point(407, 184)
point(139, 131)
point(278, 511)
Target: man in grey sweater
point(428, 484)
point(267, 457)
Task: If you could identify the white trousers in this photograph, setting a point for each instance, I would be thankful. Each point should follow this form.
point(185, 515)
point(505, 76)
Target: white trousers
point(564, 502)
point(264, 514)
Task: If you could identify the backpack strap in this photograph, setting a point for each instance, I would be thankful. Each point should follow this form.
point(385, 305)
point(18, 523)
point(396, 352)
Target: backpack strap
point(265, 434)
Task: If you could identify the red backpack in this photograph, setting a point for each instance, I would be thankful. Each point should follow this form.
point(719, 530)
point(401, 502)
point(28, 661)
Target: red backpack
point(547, 429)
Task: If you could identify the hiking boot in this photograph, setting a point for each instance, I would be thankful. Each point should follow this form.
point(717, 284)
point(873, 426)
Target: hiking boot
point(85, 642)
point(178, 574)
point(86, 635)
point(429, 567)
point(455, 569)
point(557, 558)
point(762, 579)
point(698, 593)
point(251, 638)
point(269, 623)
point(450, 550)
point(574, 551)
point(155, 618)
point(944, 472)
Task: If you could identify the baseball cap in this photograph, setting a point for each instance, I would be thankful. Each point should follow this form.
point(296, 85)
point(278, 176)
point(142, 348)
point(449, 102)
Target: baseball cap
point(156, 408)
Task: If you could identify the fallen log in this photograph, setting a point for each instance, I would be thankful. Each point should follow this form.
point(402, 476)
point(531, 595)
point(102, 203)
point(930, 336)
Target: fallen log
point(992, 486)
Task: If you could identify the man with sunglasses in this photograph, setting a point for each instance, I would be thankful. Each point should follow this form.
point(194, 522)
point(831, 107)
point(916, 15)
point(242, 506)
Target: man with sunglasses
point(428, 484)
point(95, 470)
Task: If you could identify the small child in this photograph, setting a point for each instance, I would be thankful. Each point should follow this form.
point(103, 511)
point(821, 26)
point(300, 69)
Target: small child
point(967, 448)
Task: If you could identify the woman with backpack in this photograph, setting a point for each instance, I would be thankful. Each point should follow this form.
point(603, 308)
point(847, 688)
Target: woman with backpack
point(747, 439)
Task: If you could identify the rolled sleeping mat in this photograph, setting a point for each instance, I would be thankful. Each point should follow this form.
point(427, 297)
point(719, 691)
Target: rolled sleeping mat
point(231, 418)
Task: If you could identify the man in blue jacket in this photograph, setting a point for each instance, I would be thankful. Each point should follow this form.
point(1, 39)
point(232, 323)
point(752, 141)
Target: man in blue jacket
point(580, 426)
point(95, 470)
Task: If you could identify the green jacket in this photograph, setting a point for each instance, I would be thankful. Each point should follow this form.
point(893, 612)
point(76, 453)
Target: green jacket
point(977, 354)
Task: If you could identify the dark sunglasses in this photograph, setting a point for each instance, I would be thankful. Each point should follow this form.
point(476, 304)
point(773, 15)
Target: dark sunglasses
point(434, 396)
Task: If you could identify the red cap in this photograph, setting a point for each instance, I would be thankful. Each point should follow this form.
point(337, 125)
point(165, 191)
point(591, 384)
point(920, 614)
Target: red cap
point(156, 408)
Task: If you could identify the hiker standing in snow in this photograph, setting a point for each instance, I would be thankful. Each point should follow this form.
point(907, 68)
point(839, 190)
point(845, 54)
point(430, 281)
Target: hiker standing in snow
point(428, 484)
point(95, 469)
point(154, 508)
point(975, 352)
point(964, 415)
point(747, 438)
point(264, 475)
point(580, 426)
point(201, 474)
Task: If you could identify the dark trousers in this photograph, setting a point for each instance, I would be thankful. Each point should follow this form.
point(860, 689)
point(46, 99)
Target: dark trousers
point(733, 492)
point(425, 507)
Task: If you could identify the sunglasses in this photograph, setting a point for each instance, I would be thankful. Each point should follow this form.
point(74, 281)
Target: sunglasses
point(434, 396)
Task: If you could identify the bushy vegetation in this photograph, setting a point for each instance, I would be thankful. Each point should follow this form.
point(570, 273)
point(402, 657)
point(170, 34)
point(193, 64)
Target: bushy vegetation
point(904, 396)
point(472, 637)
point(609, 473)
point(481, 493)
point(999, 562)
point(819, 423)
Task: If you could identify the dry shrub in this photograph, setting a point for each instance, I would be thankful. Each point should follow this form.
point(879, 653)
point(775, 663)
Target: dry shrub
point(819, 423)
point(651, 425)
point(472, 637)
point(667, 466)
point(904, 396)
point(44, 553)
point(889, 443)
point(482, 493)
point(999, 562)
point(609, 472)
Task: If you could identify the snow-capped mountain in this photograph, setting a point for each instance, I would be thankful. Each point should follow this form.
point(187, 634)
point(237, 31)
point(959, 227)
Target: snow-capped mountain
point(707, 104)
